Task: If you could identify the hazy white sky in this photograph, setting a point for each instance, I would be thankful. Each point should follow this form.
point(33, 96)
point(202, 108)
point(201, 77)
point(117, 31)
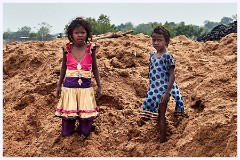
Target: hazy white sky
point(17, 15)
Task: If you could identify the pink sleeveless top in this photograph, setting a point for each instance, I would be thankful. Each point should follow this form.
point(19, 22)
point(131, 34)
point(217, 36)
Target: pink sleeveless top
point(86, 61)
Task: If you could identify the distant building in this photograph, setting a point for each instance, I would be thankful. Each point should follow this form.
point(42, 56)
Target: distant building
point(24, 38)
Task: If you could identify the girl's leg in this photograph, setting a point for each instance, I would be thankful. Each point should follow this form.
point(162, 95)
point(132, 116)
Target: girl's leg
point(162, 122)
point(68, 126)
point(85, 126)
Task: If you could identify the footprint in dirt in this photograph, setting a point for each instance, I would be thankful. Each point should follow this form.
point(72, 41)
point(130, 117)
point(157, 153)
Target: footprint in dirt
point(178, 117)
point(57, 140)
point(106, 100)
point(198, 105)
point(45, 89)
point(24, 102)
point(132, 133)
point(177, 121)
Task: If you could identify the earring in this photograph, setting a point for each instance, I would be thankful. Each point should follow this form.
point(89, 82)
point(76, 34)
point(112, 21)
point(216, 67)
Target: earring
point(71, 39)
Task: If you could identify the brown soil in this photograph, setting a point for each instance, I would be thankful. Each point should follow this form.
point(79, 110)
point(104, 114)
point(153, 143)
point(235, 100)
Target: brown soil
point(205, 72)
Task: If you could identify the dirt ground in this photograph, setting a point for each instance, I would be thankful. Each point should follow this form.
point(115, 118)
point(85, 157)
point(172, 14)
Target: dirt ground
point(205, 72)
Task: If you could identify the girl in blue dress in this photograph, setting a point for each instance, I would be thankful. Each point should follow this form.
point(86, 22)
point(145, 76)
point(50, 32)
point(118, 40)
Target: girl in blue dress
point(161, 82)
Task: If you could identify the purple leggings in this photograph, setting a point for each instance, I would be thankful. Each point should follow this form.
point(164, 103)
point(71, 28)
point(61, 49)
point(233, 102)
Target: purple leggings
point(84, 127)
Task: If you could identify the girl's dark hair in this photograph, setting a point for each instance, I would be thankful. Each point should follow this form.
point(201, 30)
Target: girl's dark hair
point(79, 22)
point(162, 31)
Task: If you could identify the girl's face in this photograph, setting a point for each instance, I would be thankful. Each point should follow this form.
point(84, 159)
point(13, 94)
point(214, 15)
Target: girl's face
point(158, 41)
point(79, 35)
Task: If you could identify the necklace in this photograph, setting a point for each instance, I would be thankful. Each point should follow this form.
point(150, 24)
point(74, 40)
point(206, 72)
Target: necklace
point(79, 67)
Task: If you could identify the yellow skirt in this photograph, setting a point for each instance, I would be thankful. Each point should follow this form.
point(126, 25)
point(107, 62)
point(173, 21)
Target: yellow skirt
point(77, 102)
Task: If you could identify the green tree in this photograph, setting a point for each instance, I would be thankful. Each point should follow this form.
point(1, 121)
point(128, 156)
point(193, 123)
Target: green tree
point(171, 28)
point(143, 28)
point(190, 31)
point(44, 31)
point(125, 27)
point(210, 25)
point(226, 20)
point(154, 25)
point(33, 35)
point(8, 35)
point(198, 31)
point(181, 29)
point(103, 25)
point(24, 31)
point(93, 23)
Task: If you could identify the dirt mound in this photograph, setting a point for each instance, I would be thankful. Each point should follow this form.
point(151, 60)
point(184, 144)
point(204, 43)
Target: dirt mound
point(205, 72)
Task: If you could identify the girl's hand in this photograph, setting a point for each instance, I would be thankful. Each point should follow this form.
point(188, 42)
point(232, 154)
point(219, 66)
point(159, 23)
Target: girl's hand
point(165, 98)
point(98, 92)
point(58, 92)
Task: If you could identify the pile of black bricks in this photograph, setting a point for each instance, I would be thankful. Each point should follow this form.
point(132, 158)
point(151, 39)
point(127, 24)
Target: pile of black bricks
point(218, 32)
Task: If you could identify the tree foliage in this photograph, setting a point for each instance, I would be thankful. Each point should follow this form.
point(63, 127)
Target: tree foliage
point(103, 25)
point(226, 20)
point(143, 28)
point(125, 27)
point(24, 31)
point(44, 30)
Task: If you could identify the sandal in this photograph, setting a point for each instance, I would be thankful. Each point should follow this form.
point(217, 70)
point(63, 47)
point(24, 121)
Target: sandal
point(83, 137)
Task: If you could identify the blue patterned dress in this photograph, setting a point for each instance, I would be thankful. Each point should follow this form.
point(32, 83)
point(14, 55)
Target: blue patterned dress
point(158, 82)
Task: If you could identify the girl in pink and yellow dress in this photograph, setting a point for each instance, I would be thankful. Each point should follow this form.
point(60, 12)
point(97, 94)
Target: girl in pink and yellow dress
point(77, 97)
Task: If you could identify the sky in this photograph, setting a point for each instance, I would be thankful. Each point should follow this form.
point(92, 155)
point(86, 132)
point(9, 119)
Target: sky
point(58, 14)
